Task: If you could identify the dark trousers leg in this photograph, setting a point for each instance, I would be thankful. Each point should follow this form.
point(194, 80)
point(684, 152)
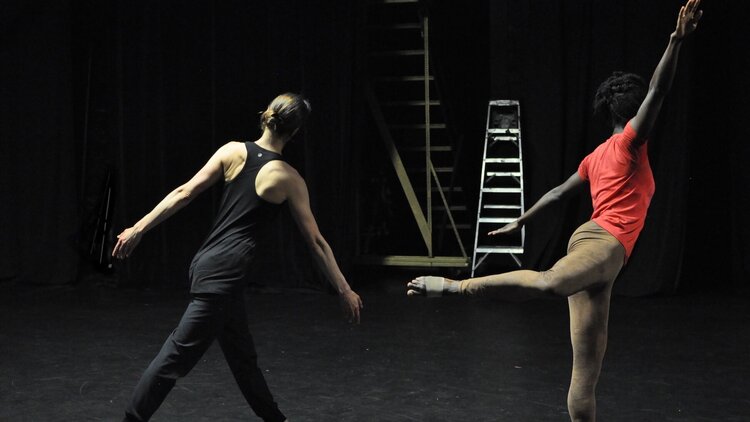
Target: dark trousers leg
point(239, 350)
point(183, 348)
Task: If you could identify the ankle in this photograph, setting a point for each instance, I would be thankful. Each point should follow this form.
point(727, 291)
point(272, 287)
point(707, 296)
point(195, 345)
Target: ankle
point(452, 287)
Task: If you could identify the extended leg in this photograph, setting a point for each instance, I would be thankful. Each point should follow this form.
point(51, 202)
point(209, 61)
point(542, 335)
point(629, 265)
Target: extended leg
point(594, 257)
point(180, 352)
point(239, 350)
point(589, 312)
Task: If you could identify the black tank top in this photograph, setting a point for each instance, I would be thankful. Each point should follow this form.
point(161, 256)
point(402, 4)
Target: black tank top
point(220, 265)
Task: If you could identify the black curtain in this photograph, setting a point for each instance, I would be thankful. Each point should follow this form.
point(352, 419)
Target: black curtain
point(172, 81)
point(552, 55)
point(39, 156)
point(153, 88)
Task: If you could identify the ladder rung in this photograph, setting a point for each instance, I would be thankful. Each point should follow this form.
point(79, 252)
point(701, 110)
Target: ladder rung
point(419, 126)
point(503, 173)
point(503, 131)
point(502, 190)
point(435, 189)
point(502, 160)
point(399, 53)
point(496, 220)
point(410, 103)
point(408, 78)
point(433, 148)
point(452, 208)
point(504, 138)
point(397, 26)
point(437, 169)
point(502, 207)
point(499, 249)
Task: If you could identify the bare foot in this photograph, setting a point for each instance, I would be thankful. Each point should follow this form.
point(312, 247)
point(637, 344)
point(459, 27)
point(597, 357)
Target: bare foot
point(432, 286)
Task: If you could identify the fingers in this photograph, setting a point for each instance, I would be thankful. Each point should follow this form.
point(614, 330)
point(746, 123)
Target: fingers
point(692, 5)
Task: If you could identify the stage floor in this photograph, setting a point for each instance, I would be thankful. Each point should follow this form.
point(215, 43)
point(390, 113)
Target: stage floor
point(75, 353)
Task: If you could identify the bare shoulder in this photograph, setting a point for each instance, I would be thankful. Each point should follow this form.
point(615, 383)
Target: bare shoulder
point(278, 171)
point(277, 181)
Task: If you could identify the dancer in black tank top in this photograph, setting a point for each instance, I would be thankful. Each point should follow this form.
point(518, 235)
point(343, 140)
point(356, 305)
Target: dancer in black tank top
point(256, 183)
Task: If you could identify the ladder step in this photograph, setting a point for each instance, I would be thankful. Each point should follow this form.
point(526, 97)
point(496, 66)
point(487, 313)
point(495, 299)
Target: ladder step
point(502, 160)
point(419, 126)
point(399, 53)
point(397, 26)
point(502, 207)
point(410, 103)
point(452, 208)
point(408, 78)
point(503, 173)
point(483, 220)
point(504, 138)
point(435, 189)
point(502, 190)
point(503, 131)
point(499, 249)
point(437, 169)
point(433, 148)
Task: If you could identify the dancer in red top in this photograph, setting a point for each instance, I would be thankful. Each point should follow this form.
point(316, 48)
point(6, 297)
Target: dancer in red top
point(621, 186)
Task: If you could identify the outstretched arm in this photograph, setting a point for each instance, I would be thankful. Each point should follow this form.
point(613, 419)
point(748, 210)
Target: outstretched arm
point(173, 202)
point(299, 203)
point(573, 184)
point(661, 81)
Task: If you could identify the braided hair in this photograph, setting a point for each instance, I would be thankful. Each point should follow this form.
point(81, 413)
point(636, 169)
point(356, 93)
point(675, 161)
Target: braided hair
point(620, 96)
point(286, 113)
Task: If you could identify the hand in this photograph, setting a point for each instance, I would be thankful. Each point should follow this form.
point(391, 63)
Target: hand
point(507, 229)
point(126, 242)
point(687, 19)
point(351, 304)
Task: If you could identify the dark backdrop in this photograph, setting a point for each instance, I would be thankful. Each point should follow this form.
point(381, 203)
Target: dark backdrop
point(146, 91)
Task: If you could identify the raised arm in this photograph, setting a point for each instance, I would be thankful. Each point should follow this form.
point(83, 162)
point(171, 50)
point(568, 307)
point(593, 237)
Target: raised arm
point(174, 201)
point(661, 81)
point(570, 186)
point(292, 187)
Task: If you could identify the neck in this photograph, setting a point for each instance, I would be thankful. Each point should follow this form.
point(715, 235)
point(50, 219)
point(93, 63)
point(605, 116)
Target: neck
point(618, 129)
point(271, 141)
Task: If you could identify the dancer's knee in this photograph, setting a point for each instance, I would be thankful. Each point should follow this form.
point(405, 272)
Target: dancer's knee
point(552, 283)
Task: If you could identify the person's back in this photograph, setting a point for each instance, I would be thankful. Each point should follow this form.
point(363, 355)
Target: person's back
point(256, 183)
point(242, 222)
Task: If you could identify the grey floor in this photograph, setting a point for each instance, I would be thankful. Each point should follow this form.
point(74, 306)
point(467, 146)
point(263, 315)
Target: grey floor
point(74, 354)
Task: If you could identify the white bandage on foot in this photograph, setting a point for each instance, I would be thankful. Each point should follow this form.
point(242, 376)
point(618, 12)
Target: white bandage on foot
point(434, 285)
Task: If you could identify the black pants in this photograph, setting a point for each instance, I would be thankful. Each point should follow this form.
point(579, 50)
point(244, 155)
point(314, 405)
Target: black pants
point(207, 317)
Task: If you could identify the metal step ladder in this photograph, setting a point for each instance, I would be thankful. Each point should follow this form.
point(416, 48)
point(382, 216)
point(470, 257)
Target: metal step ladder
point(401, 93)
point(501, 187)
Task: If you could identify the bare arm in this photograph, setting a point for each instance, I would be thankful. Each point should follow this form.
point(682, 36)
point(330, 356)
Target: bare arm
point(570, 186)
point(661, 81)
point(173, 202)
point(299, 202)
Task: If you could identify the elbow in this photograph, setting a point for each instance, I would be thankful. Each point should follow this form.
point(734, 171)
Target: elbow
point(555, 195)
point(658, 90)
point(316, 243)
point(183, 195)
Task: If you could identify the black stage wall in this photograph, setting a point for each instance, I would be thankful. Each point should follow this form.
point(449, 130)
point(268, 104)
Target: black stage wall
point(171, 81)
